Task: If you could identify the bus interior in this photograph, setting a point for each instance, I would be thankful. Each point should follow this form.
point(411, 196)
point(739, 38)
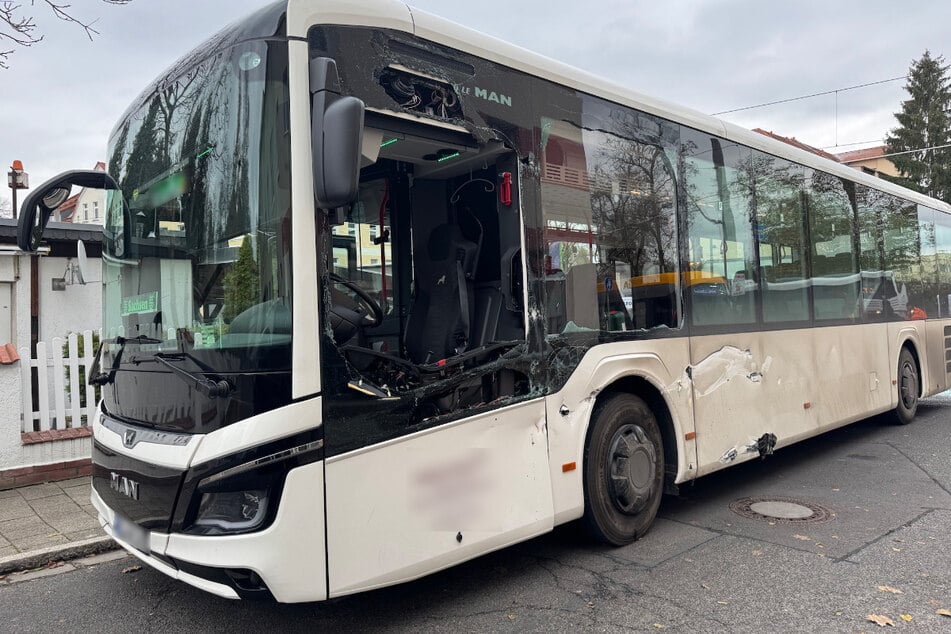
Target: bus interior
point(425, 285)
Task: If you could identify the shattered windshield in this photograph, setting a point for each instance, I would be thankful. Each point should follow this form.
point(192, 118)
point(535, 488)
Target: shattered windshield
point(197, 242)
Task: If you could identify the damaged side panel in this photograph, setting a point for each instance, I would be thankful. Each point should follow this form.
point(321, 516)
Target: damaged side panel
point(436, 239)
point(749, 399)
point(570, 411)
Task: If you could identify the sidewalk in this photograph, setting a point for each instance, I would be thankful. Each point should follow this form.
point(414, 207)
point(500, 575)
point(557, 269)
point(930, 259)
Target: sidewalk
point(45, 522)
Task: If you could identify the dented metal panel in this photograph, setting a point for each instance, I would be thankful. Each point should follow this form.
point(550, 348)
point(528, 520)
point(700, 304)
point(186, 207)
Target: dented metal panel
point(746, 385)
point(724, 365)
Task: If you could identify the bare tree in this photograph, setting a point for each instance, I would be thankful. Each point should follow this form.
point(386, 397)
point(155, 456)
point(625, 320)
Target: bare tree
point(18, 27)
point(6, 207)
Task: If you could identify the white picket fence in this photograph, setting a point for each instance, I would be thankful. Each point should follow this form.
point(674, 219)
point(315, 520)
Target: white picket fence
point(57, 408)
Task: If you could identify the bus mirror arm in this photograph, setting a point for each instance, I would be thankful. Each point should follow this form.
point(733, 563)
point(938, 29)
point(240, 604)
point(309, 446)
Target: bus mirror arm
point(38, 207)
point(336, 136)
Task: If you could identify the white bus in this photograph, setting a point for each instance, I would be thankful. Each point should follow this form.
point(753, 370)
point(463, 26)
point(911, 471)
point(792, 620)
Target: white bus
point(383, 294)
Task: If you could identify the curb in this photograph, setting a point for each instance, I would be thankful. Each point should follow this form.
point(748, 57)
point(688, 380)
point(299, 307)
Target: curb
point(72, 550)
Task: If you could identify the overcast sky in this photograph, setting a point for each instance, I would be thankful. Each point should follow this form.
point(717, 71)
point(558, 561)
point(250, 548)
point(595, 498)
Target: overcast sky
point(60, 98)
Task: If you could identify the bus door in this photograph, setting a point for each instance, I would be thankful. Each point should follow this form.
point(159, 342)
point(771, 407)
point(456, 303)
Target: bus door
point(437, 450)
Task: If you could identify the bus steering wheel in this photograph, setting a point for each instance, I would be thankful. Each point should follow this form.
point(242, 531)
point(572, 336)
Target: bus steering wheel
point(373, 308)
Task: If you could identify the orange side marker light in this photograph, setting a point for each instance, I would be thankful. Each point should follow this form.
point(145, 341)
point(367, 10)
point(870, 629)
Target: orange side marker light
point(690, 435)
point(569, 466)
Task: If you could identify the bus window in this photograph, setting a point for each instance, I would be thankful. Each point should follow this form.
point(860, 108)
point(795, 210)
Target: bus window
point(781, 229)
point(362, 250)
point(836, 284)
point(902, 255)
point(942, 230)
point(722, 280)
point(926, 296)
point(872, 255)
point(608, 196)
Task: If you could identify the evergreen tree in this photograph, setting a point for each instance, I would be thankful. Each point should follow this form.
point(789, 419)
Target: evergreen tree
point(118, 153)
point(241, 282)
point(925, 122)
point(144, 162)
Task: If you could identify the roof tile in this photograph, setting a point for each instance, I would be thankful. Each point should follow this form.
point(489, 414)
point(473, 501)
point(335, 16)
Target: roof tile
point(793, 141)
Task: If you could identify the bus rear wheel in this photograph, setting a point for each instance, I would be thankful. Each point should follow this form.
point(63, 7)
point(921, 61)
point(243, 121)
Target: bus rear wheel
point(623, 470)
point(908, 387)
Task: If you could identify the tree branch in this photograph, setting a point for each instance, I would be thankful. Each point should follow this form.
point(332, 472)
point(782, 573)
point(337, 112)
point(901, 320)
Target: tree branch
point(21, 30)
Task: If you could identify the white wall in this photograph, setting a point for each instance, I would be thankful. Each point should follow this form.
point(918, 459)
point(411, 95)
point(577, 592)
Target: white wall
point(10, 406)
point(77, 308)
point(7, 303)
point(21, 302)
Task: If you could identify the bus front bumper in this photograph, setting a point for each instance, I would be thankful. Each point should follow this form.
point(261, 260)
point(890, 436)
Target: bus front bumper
point(287, 558)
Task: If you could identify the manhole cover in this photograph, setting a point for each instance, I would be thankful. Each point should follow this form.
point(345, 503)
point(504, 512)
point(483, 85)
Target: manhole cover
point(776, 509)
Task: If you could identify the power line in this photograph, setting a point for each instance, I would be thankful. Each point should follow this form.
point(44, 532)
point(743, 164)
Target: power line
point(829, 147)
point(921, 149)
point(818, 94)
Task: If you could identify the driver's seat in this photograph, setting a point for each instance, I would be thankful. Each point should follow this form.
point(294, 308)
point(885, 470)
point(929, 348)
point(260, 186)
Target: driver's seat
point(439, 323)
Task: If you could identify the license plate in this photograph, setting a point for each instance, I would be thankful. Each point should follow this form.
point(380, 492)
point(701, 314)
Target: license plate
point(132, 534)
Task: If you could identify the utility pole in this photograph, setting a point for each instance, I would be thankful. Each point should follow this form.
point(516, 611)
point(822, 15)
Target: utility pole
point(17, 179)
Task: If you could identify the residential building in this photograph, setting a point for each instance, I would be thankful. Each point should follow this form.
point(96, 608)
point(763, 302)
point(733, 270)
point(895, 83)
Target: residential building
point(86, 207)
point(871, 160)
point(793, 141)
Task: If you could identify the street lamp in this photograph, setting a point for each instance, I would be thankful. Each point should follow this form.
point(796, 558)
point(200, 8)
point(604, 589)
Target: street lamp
point(17, 179)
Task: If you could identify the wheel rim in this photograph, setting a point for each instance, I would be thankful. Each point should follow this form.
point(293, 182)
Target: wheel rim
point(908, 385)
point(633, 463)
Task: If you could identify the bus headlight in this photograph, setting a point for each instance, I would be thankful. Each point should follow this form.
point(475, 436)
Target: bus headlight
point(231, 511)
point(243, 498)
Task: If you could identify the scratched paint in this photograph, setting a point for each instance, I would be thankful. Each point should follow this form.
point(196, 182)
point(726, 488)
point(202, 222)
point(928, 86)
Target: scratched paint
point(724, 365)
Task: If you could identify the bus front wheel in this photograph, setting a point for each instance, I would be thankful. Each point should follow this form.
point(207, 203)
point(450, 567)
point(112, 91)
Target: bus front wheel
point(623, 470)
point(907, 387)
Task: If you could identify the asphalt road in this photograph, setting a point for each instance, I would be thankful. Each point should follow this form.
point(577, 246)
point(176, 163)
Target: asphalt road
point(701, 568)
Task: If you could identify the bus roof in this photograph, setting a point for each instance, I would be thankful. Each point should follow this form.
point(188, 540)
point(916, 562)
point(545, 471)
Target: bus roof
point(392, 14)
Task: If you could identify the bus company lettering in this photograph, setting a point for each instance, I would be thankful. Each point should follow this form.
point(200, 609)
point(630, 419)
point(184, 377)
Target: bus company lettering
point(494, 97)
point(457, 494)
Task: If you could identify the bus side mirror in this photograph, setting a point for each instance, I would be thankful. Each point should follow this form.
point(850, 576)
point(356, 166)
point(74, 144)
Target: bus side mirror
point(39, 205)
point(336, 136)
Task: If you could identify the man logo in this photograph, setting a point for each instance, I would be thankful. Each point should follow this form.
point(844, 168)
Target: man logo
point(494, 97)
point(123, 485)
point(128, 438)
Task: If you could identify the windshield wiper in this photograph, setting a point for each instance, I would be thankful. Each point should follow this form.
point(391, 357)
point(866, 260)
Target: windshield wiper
point(101, 378)
point(204, 385)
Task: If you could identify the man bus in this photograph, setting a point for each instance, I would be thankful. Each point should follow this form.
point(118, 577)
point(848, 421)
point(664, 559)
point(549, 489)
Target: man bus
point(382, 294)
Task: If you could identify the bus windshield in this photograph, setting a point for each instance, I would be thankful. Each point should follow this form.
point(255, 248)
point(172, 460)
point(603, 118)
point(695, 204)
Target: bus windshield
point(196, 241)
point(196, 245)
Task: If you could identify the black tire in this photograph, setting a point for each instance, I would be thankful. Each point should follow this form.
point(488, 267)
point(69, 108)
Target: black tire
point(908, 387)
point(622, 495)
